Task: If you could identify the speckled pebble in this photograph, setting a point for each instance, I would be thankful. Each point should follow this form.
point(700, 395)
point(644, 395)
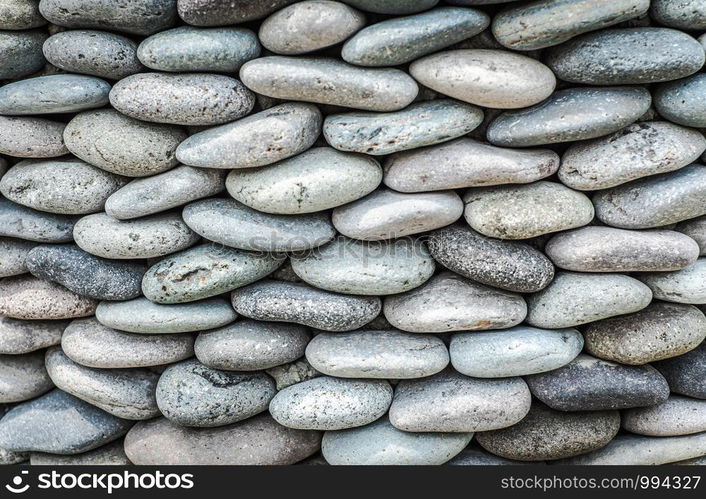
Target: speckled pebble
point(685, 373)
point(20, 14)
point(13, 254)
point(684, 14)
point(675, 416)
point(20, 336)
point(111, 454)
point(682, 286)
point(59, 93)
point(393, 6)
point(31, 225)
point(695, 228)
point(683, 101)
point(210, 13)
point(23, 377)
point(21, 53)
point(30, 137)
point(27, 297)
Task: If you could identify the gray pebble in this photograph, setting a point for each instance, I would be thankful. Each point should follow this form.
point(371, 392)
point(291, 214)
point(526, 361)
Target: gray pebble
point(21, 53)
point(26, 297)
point(30, 137)
point(59, 93)
point(377, 354)
point(210, 13)
point(683, 101)
point(13, 253)
point(20, 14)
point(268, 300)
point(292, 373)
point(696, 230)
point(393, 6)
point(684, 14)
point(682, 286)
point(23, 377)
point(31, 225)
point(110, 454)
point(675, 416)
point(685, 373)
point(20, 336)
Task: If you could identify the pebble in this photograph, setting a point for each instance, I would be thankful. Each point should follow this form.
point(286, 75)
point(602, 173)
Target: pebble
point(451, 402)
point(292, 373)
point(23, 377)
point(546, 434)
point(683, 101)
point(606, 249)
point(148, 237)
point(30, 137)
point(402, 40)
point(248, 345)
point(675, 416)
point(59, 93)
point(19, 336)
point(137, 17)
point(316, 180)
point(377, 354)
point(660, 331)
point(111, 454)
point(576, 298)
point(268, 300)
point(449, 302)
point(525, 211)
point(466, 163)
point(31, 225)
point(365, 268)
point(125, 393)
point(682, 286)
point(20, 14)
point(545, 23)
point(329, 81)
point(382, 444)
point(96, 53)
point(231, 223)
point(191, 394)
point(260, 139)
point(386, 214)
point(256, 441)
point(21, 53)
point(209, 13)
point(695, 228)
point(123, 145)
point(64, 186)
point(518, 351)
point(393, 6)
point(639, 150)
point(13, 253)
point(309, 26)
point(590, 384)
point(59, 423)
point(489, 78)
point(508, 265)
point(90, 343)
point(26, 297)
point(685, 14)
point(654, 201)
point(419, 124)
point(182, 99)
point(570, 114)
point(326, 403)
point(685, 373)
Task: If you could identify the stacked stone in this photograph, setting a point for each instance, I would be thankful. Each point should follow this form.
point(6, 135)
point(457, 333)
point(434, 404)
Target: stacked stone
point(357, 232)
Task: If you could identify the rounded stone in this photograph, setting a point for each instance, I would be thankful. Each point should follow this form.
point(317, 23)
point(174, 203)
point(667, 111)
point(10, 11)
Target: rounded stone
point(449, 302)
point(278, 301)
point(489, 78)
point(683, 101)
point(91, 344)
point(696, 230)
point(377, 354)
point(59, 93)
point(380, 443)
point(466, 163)
point(402, 40)
point(191, 394)
point(570, 114)
point(142, 316)
point(315, 180)
point(685, 373)
point(23, 377)
point(451, 402)
point(231, 223)
point(573, 299)
point(26, 297)
point(205, 271)
point(21, 53)
point(393, 6)
point(20, 14)
point(111, 454)
point(682, 286)
point(329, 81)
point(675, 416)
point(125, 393)
point(13, 253)
point(31, 225)
point(590, 384)
point(365, 268)
point(248, 345)
point(96, 53)
point(546, 434)
point(148, 237)
point(684, 14)
point(518, 351)
point(606, 249)
point(30, 137)
point(327, 403)
point(525, 211)
point(210, 13)
point(20, 336)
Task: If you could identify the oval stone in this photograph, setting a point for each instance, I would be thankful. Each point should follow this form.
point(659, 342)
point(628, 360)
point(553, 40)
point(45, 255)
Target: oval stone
point(20, 336)
point(329, 81)
point(386, 214)
point(364, 268)
point(209, 13)
point(20, 14)
point(570, 114)
point(675, 416)
point(525, 211)
point(517, 351)
point(23, 377)
point(683, 101)
point(259, 139)
point(685, 14)
point(572, 299)
point(142, 316)
point(148, 237)
point(449, 302)
point(21, 53)
point(31, 225)
point(682, 286)
point(315, 180)
point(277, 301)
point(30, 137)
point(327, 403)
point(59, 93)
point(205, 271)
point(26, 297)
point(90, 343)
point(248, 345)
point(192, 394)
point(13, 253)
point(685, 373)
point(489, 78)
point(377, 354)
point(696, 230)
point(606, 249)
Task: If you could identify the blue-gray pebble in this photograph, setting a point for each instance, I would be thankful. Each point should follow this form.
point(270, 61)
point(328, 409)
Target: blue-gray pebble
point(62, 93)
point(683, 101)
point(21, 53)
